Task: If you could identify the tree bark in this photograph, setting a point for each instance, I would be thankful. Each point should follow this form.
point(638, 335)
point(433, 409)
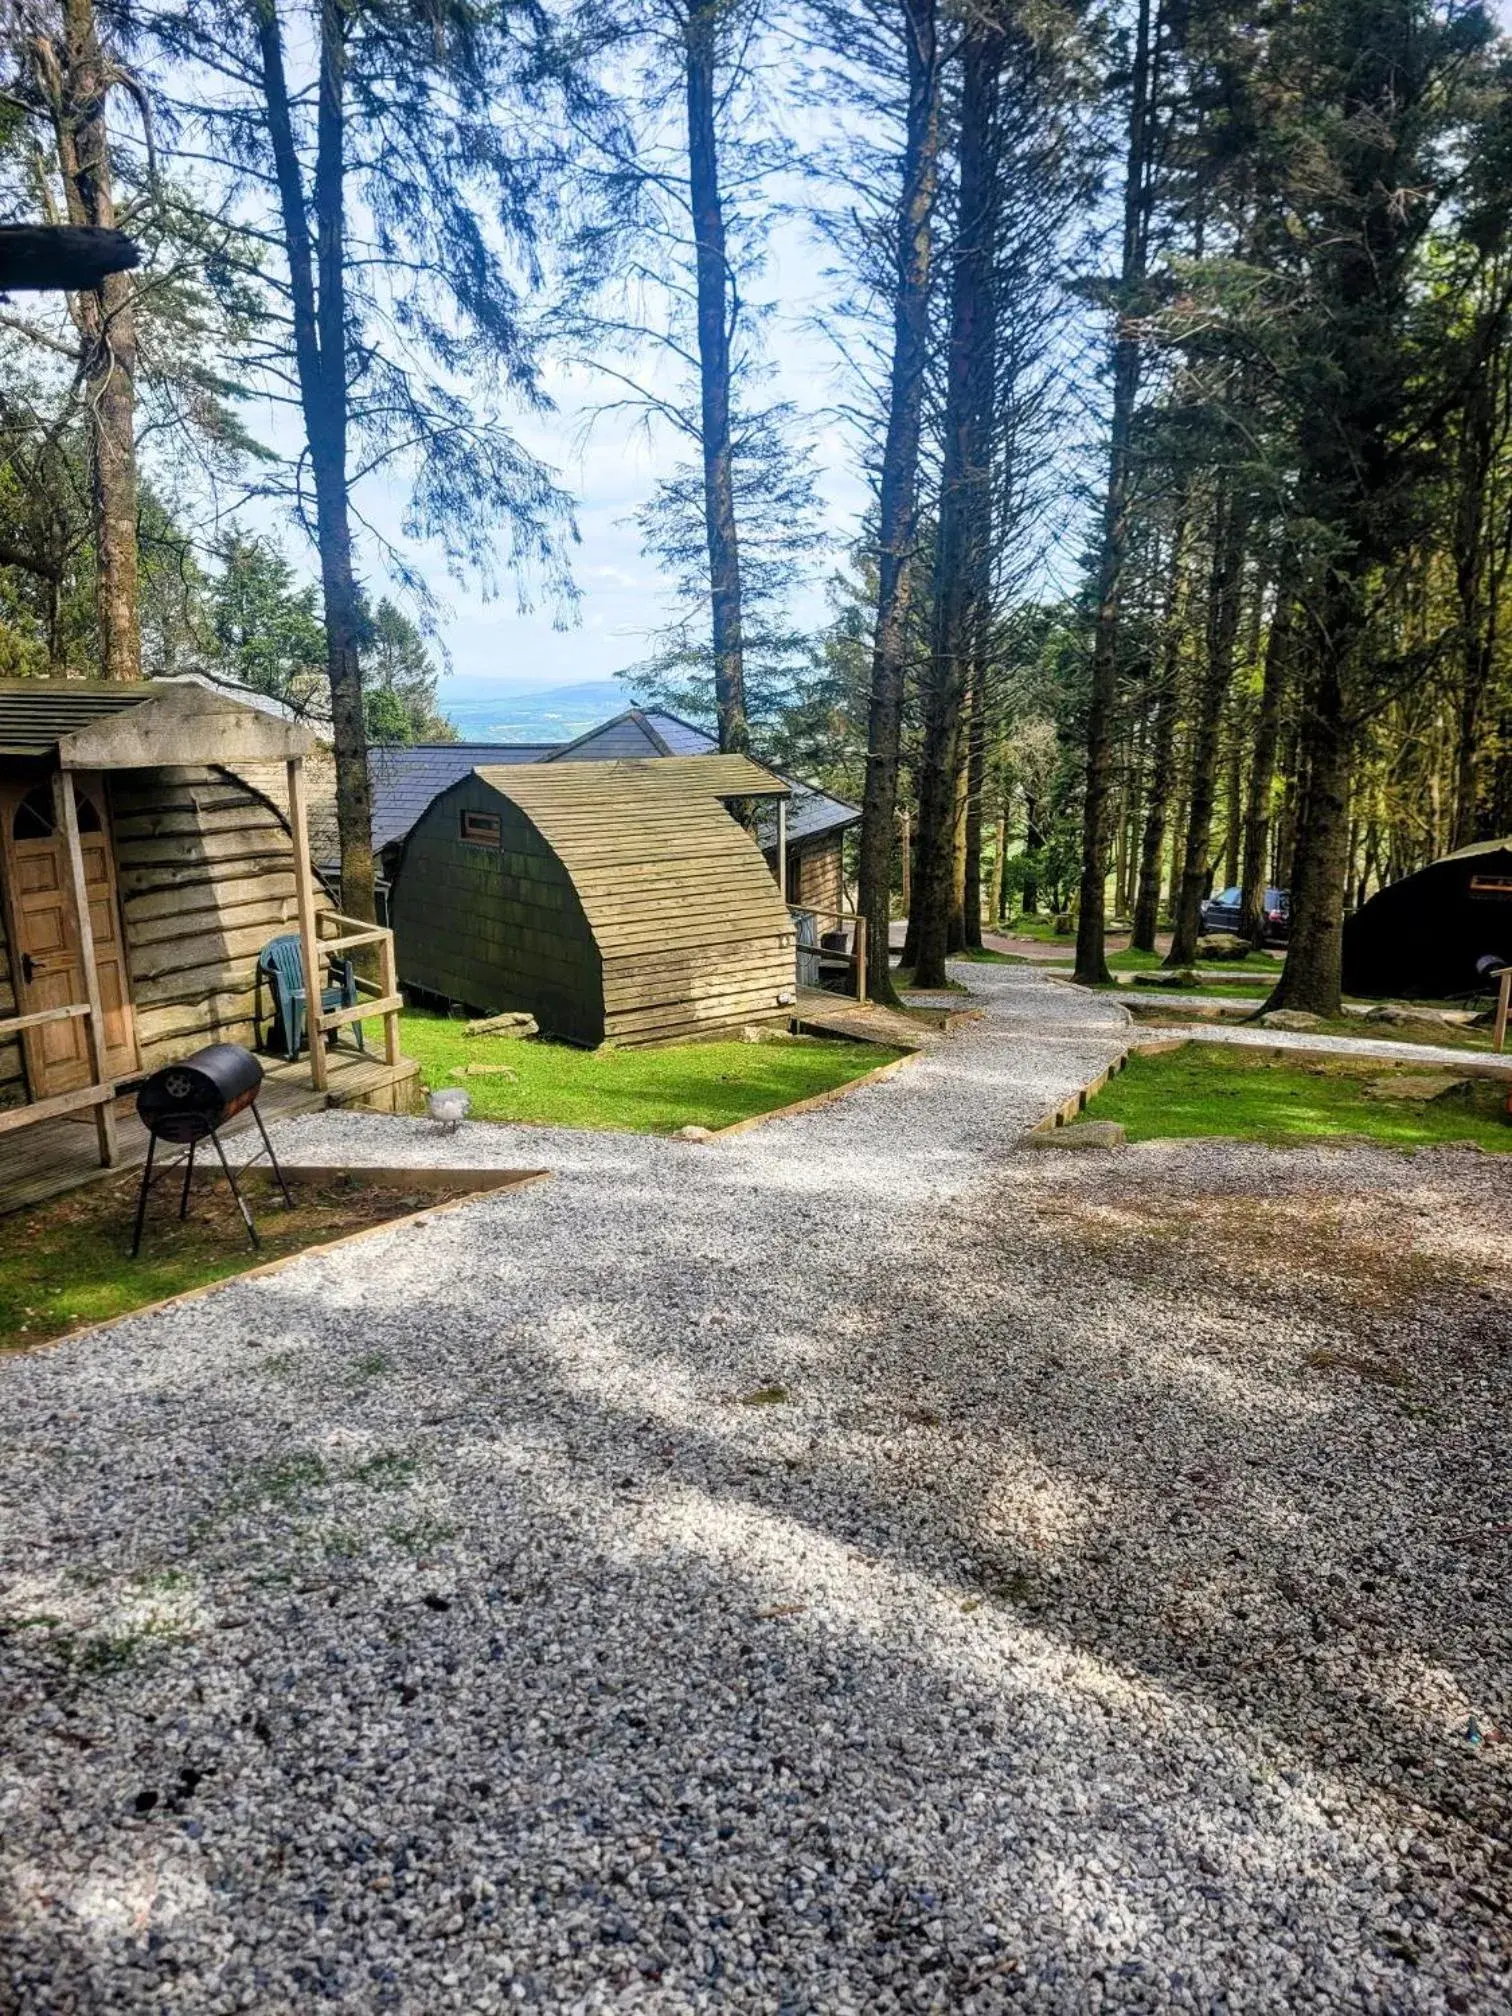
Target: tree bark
point(1163, 750)
point(1091, 957)
point(1034, 840)
point(999, 865)
point(1312, 976)
point(1257, 809)
point(976, 782)
point(318, 302)
point(713, 290)
point(1222, 632)
point(897, 512)
point(963, 531)
point(76, 83)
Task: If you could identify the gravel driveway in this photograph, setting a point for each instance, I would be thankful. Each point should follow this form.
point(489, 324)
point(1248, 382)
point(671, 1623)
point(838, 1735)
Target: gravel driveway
point(853, 1566)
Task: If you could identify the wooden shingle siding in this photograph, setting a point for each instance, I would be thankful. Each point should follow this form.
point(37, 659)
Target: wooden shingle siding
point(205, 865)
point(205, 876)
point(817, 878)
point(623, 903)
point(494, 927)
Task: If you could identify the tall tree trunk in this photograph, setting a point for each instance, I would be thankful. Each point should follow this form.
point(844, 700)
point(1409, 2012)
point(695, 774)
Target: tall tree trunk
point(1233, 799)
point(1091, 957)
point(1163, 748)
point(1034, 840)
point(964, 528)
point(1222, 631)
point(318, 303)
point(1291, 764)
point(75, 79)
point(1312, 976)
point(898, 501)
point(713, 282)
point(999, 865)
point(976, 785)
point(1257, 810)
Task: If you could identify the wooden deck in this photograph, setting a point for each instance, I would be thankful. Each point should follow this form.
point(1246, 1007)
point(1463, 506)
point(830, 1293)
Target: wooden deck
point(57, 1155)
point(820, 1013)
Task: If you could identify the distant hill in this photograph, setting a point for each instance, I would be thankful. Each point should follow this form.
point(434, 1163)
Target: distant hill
point(483, 711)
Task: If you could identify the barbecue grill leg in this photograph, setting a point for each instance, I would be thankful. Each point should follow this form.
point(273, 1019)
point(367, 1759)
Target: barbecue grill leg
point(241, 1202)
point(188, 1179)
point(141, 1210)
point(288, 1200)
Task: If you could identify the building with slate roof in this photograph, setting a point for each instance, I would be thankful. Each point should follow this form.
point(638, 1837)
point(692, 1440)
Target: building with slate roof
point(613, 901)
point(407, 780)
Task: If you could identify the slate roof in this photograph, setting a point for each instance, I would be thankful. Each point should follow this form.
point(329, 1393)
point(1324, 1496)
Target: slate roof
point(812, 813)
point(406, 779)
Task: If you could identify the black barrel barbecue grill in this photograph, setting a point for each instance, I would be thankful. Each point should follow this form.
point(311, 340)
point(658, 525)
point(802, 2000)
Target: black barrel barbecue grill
point(189, 1102)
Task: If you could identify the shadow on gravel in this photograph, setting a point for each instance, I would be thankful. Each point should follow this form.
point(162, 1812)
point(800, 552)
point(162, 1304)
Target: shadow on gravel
point(1089, 1603)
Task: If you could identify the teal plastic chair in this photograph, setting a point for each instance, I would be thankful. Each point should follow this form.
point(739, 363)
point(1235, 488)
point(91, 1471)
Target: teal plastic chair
point(281, 965)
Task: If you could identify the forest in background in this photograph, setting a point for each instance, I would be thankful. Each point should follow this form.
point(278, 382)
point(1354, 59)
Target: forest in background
point(1173, 339)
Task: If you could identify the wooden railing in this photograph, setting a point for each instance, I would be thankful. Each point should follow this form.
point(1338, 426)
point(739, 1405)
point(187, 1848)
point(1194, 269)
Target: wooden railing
point(855, 958)
point(335, 937)
point(1503, 1006)
point(99, 1096)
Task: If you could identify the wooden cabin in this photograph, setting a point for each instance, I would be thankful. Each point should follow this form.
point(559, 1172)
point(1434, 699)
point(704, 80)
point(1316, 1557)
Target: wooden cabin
point(802, 836)
point(142, 870)
point(615, 902)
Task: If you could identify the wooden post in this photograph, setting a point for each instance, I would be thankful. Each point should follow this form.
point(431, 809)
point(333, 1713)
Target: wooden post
point(859, 947)
point(1503, 1003)
point(68, 821)
point(309, 944)
point(390, 973)
point(782, 848)
point(907, 860)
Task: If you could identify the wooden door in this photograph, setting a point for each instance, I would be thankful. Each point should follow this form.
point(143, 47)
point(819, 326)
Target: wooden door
point(46, 967)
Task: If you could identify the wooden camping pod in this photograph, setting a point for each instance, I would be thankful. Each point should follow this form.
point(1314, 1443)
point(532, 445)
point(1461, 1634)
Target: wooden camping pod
point(616, 902)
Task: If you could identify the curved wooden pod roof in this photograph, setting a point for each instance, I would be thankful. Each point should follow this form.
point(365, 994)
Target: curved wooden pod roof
point(657, 862)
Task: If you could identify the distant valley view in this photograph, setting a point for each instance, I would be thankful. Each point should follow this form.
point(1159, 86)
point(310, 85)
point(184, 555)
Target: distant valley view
point(489, 710)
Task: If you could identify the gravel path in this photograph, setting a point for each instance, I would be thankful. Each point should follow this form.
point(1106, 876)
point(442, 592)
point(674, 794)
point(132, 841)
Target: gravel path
point(1346, 1046)
point(852, 1566)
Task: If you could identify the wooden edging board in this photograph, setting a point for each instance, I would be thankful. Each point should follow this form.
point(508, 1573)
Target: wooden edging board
point(1277, 1053)
point(476, 1182)
point(817, 1099)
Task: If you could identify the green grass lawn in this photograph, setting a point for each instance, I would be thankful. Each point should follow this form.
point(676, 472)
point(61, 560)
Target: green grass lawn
point(64, 1264)
point(1228, 990)
point(635, 1091)
point(1210, 1088)
point(1131, 961)
point(1039, 926)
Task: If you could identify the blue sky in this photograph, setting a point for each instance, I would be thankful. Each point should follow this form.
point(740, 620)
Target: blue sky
point(609, 463)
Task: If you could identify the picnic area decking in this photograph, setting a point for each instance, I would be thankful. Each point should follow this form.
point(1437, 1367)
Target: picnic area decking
point(57, 1155)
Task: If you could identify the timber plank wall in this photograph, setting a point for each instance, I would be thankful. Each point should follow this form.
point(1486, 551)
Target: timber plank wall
point(205, 874)
point(817, 879)
point(495, 927)
point(614, 907)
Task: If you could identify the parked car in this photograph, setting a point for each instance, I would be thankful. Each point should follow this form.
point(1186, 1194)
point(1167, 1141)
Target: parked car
point(1222, 912)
